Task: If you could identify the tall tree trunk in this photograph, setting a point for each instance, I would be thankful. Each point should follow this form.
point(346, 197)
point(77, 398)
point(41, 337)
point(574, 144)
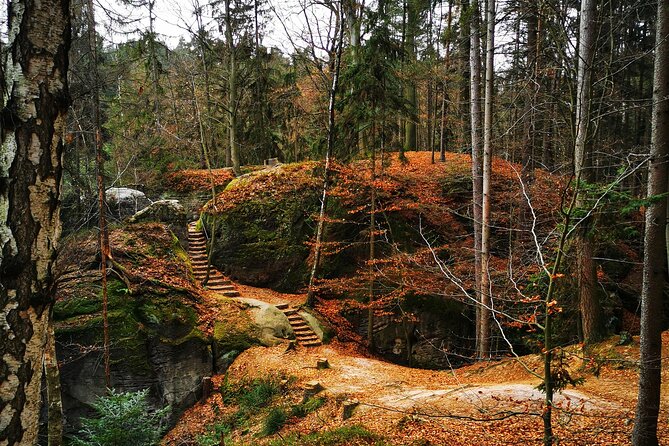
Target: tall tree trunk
point(589, 305)
point(153, 62)
point(334, 86)
point(444, 98)
point(206, 122)
point(463, 100)
point(103, 237)
point(486, 286)
point(410, 135)
point(429, 101)
point(232, 91)
point(529, 137)
point(35, 100)
point(353, 19)
point(372, 253)
point(531, 90)
point(477, 149)
point(654, 260)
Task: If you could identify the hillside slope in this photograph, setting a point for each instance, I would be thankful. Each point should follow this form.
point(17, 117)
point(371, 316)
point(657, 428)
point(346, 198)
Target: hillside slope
point(490, 403)
point(422, 276)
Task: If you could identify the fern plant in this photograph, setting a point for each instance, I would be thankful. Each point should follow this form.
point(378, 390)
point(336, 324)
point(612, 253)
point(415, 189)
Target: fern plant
point(123, 419)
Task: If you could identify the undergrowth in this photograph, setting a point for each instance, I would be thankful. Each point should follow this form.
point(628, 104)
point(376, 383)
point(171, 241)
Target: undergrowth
point(337, 437)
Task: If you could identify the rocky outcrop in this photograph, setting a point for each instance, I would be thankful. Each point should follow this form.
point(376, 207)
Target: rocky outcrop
point(270, 321)
point(165, 335)
point(171, 368)
point(431, 333)
point(263, 243)
point(124, 202)
point(166, 211)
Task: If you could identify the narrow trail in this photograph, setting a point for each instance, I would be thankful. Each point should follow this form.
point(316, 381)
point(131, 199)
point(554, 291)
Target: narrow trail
point(197, 251)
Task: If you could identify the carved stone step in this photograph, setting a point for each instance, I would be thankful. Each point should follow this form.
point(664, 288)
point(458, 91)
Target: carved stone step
point(298, 322)
point(212, 277)
point(220, 287)
point(220, 281)
point(307, 338)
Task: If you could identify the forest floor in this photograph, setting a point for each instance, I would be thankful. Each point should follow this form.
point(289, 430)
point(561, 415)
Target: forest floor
point(488, 403)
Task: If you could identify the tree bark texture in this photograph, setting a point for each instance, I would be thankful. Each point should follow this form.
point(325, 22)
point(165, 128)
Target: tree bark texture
point(35, 101)
point(486, 286)
point(477, 148)
point(654, 261)
point(586, 273)
point(54, 399)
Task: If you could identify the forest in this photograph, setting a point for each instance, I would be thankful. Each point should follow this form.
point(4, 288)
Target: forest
point(334, 222)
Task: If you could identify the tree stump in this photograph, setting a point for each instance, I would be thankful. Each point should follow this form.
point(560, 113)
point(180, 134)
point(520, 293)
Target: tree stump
point(292, 346)
point(311, 388)
point(347, 408)
point(322, 363)
point(207, 387)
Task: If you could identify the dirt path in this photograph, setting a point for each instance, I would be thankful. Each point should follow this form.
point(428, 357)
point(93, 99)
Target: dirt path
point(490, 404)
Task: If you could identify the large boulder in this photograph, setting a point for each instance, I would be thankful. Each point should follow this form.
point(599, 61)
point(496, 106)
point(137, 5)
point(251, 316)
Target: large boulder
point(156, 344)
point(166, 211)
point(160, 326)
point(272, 324)
point(261, 238)
point(124, 202)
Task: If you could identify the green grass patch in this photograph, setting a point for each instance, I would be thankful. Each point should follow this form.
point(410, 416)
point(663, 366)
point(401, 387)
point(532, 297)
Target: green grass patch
point(274, 421)
point(336, 437)
point(213, 435)
point(309, 406)
point(259, 394)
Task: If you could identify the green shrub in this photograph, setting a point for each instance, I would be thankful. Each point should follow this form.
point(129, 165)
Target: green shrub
point(259, 394)
point(304, 409)
point(213, 435)
point(123, 419)
point(274, 421)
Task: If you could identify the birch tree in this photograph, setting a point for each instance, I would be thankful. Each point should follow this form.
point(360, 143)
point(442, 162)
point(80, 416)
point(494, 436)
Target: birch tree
point(35, 100)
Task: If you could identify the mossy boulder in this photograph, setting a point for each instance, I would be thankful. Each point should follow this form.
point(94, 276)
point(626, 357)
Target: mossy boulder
point(159, 325)
point(262, 239)
point(155, 343)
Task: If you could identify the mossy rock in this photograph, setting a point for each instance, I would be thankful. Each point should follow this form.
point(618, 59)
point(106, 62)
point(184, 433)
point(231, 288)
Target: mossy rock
point(133, 319)
point(229, 339)
point(263, 242)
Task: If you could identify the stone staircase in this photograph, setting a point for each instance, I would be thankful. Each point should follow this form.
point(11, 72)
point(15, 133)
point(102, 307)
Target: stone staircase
point(304, 335)
point(197, 250)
